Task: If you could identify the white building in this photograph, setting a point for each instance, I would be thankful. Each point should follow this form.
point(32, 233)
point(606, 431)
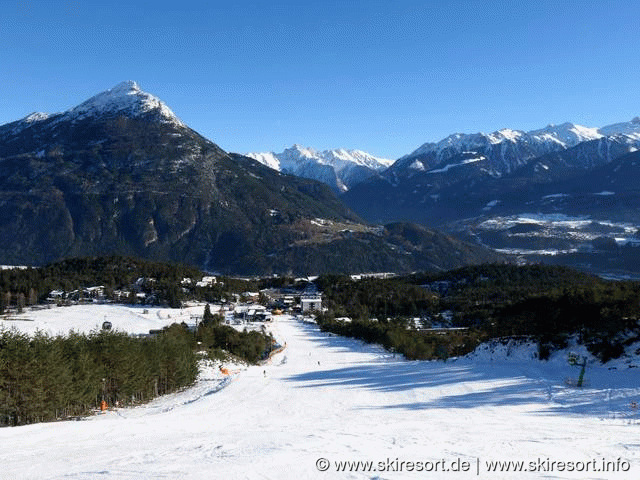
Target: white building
point(206, 281)
point(311, 299)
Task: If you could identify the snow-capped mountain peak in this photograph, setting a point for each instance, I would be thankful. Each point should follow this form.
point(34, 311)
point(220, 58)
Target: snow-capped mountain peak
point(337, 157)
point(566, 134)
point(505, 134)
point(630, 129)
point(26, 122)
point(267, 158)
point(36, 117)
point(507, 149)
point(340, 168)
point(549, 138)
point(358, 157)
point(126, 98)
point(297, 150)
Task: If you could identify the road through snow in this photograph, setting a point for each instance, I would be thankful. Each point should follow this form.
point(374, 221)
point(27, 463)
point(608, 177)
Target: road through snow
point(339, 399)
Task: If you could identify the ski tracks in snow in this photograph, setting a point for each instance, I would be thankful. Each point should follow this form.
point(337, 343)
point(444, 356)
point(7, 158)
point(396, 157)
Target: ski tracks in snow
point(340, 399)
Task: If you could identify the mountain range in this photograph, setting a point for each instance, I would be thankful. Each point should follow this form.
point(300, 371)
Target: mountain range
point(457, 177)
point(506, 150)
point(563, 194)
point(549, 194)
point(341, 169)
point(416, 186)
point(120, 173)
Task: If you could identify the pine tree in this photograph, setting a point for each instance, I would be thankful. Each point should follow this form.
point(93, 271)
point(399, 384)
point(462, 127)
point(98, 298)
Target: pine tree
point(7, 299)
point(20, 302)
point(207, 317)
point(33, 297)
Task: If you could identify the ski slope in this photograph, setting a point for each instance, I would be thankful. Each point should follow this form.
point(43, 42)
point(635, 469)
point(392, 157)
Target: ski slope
point(89, 318)
point(339, 399)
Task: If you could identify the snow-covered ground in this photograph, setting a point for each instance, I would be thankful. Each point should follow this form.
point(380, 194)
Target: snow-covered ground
point(328, 397)
point(88, 318)
point(577, 231)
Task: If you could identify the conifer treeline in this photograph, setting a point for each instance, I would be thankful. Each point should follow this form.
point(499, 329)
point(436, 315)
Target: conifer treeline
point(544, 303)
point(45, 378)
point(32, 285)
point(251, 346)
point(29, 286)
point(395, 337)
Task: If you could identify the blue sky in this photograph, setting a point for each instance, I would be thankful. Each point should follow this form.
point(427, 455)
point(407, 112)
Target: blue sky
point(383, 77)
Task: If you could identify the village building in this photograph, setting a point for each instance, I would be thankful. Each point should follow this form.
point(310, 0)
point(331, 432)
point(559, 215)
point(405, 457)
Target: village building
point(311, 299)
point(250, 296)
point(206, 281)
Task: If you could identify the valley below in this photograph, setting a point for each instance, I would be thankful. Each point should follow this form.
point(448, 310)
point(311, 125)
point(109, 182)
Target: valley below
point(597, 245)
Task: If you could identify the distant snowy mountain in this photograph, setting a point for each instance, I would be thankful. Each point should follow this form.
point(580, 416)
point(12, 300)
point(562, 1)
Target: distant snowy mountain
point(504, 150)
point(470, 175)
point(507, 150)
point(629, 129)
point(566, 135)
point(341, 169)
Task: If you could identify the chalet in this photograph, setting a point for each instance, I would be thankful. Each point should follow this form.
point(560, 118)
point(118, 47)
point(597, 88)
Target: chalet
point(206, 282)
point(94, 292)
point(121, 295)
point(258, 313)
point(250, 296)
point(143, 281)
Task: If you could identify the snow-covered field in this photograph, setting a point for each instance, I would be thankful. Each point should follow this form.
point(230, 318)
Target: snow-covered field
point(327, 397)
point(88, 318)
point(572, 227)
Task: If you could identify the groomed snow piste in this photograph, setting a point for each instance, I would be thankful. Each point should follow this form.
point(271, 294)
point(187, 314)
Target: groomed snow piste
point(327, 397)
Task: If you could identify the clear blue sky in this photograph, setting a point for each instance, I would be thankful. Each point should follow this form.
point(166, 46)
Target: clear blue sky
point(383, 77)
